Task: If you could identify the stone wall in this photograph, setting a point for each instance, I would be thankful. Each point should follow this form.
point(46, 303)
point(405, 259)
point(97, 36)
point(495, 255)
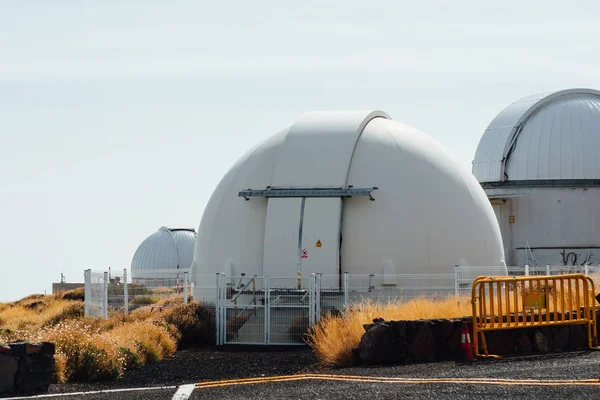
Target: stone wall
point(26, 368)
point(403, 342)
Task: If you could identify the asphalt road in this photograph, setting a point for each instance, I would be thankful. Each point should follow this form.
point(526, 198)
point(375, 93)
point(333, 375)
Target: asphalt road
point(501, 379)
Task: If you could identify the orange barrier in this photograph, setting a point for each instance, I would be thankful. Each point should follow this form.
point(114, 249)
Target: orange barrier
point(504, 302)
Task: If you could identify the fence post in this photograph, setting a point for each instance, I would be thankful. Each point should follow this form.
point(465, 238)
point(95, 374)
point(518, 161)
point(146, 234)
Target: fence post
point(345, 289)
point(586, 270)
point(267, 309)
point(456, 280)
point(311, 300)
point(218, 311)
point(318, 295)
point(105, 297)
point(125, 292)
point(526, 269)
point(548, 270)
point(185, 287)
point(87, 291)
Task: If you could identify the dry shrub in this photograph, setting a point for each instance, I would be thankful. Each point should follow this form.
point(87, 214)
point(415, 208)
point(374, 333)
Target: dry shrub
point(72, 311)
point(86, 355)
point(151, 342)
point(334, 337)
point(194, 321)
point(74, 294)
point(22, 316)
point(142, 300)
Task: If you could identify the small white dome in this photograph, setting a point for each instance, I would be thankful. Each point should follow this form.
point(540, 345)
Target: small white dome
point(543, 137)
point(164, 250)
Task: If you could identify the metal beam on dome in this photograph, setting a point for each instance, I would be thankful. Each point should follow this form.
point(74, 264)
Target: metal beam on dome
point(307, 192)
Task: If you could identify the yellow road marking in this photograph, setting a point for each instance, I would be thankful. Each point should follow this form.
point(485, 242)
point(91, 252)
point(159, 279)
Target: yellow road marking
point(380, 379)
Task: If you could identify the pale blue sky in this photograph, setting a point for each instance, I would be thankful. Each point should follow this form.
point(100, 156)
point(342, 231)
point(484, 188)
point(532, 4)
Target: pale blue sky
point(119, 117)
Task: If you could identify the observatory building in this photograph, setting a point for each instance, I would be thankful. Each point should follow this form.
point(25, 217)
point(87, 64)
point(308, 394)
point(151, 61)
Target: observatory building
point(340, 192)
point(538, 162)
point(159, 256)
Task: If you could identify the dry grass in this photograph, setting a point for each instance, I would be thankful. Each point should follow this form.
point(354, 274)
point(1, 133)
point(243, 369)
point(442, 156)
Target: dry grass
point(94, 349)
point(333, 338)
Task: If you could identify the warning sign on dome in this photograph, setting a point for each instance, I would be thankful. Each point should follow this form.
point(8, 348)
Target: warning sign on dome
point(319, 244)
point(304, 253)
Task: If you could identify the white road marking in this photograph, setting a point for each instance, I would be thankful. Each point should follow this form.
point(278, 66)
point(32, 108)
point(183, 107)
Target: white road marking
point(39, 396)
point(184, 392)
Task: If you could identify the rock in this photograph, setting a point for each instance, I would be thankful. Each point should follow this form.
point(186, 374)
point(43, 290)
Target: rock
point(43, 364)
point(8, 370)
point(379, 346)
point(578, 337)
point(524, 347)
point(411, 330)
point(445, 328)
point(398, 329)
point(501, 342)
point(422, 348)
point(454, 344)
point(540, 342)
point(29, 382)
point(442, 352)
point(48, 349)
point(368, 327)
point(560, 338)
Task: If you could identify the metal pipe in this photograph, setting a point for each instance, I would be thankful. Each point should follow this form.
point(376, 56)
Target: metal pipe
point(125, 292)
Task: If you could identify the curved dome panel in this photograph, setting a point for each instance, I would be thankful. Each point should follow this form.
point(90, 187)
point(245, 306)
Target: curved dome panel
point(163, 250)
point(547, 129)
point(560, 141)
point(428, 215)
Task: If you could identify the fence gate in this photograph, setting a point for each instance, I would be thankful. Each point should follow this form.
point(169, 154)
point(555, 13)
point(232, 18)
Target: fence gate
point(265, 310)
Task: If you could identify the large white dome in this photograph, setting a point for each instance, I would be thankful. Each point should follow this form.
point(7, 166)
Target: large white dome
point(548, 136)
point(166, 249)
point(428, 213)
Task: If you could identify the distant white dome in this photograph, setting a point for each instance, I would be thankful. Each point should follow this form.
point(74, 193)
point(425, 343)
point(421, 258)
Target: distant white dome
point(549, 136)
point(166, 249)
point(428, 213)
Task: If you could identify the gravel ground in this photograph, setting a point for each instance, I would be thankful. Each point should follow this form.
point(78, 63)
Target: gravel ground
point(200, 365)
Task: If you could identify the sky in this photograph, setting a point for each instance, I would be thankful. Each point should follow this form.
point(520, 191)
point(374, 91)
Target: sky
point(119, 117)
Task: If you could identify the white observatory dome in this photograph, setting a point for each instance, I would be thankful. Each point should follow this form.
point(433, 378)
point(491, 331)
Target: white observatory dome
point(380, 197)
point(548, 136)
point(538, 162)
point(166, 249)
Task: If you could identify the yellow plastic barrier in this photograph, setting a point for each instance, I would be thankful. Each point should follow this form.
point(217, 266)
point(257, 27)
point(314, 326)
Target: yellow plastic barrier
point(504, 302)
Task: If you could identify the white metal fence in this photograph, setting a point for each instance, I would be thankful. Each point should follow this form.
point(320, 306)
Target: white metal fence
point(280, 310)
point(106, 291)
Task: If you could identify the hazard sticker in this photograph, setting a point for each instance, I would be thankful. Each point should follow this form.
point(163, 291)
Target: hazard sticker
point(304, 253)
point(319, 244)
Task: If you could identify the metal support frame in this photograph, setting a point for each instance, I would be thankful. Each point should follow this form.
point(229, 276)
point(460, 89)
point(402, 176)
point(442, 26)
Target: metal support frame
point(307, 192)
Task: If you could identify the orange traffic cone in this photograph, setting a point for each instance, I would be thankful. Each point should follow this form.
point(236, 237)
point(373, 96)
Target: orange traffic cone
point(465, 342)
